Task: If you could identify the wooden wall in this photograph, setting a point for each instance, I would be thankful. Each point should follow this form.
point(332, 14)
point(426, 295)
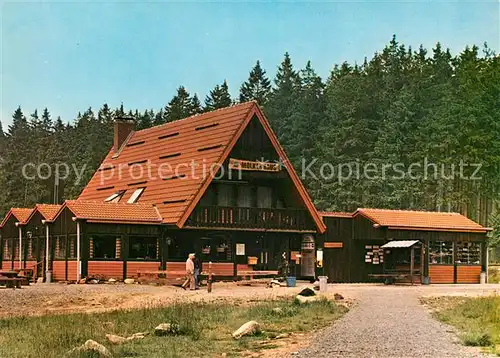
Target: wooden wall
point(441, 273)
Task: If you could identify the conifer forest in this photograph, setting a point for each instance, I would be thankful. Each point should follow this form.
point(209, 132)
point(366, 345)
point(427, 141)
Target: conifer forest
point(428, 110)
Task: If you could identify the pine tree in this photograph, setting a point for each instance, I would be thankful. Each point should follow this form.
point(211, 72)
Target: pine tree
point(283, 98)
point(257, 87)
point(218, 97)
point(196, 105)
point(181, 106)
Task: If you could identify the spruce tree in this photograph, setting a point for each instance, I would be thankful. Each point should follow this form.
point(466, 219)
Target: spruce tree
point(181, 106)
point(257, 87)
point(218, 97)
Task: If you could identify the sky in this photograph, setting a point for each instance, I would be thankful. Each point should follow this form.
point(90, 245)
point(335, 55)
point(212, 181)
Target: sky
point(69, 56)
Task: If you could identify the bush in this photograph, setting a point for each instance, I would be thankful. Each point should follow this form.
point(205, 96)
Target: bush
point(477, 339)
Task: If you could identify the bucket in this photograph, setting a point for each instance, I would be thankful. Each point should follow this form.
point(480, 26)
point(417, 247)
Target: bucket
point(426, 280)
point(323, 283)
point(48, 276)
point(482, 278)
point(291, 281)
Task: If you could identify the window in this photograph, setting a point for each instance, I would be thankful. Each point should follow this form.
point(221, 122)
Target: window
point(468, 253)
point(60, 247)
point(7, 249)
point(115, 197)
point(71, 246)
point(216, 248)
point(135, 195)
point(145, 248)
point(224, 195)
point(103, 247)
point(264, 197)
point(441, 252)
point(244, 196)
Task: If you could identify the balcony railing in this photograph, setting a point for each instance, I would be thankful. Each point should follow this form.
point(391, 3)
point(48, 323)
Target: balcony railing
point(251, 218)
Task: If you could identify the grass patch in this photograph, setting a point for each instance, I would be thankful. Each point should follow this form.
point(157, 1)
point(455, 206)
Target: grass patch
point(476, 319)
point(205, 329)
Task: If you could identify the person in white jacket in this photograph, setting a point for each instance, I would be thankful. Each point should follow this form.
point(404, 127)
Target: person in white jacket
point(189, 273)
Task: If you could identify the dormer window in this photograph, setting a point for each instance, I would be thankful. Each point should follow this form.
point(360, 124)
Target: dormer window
point(115, 197)
point(135, 196)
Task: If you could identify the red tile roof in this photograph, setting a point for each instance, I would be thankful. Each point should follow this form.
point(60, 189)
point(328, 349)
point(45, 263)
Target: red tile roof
point(150, 156)
point(98, 211)
point(48, 211)
point(421, 220)
point(336, 214)
point(21, 215)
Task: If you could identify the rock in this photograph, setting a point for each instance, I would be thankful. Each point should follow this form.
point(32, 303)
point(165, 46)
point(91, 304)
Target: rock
point(129, 281)
point(111, 280)
point(248, 329)
point(307, 292)
point(94, 281)
point(164, 329)
point(316, 285)
point(306, 299)
point(139, 335)
point(338, 297)
point(277, 310)
point(93, 347)
point(83, 280)
point(39, 280)
point(114, 339)
point(282, 335)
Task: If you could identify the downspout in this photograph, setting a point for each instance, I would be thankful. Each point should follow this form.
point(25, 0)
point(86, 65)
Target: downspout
point(78, 262)
point(20, 245)
point(47, 248)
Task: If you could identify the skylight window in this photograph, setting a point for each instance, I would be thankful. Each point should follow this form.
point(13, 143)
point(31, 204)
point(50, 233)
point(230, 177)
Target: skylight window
point(115, 197)
point(135, 195)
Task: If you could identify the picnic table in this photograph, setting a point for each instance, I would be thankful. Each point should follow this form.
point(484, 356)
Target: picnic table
point(11, 279)
point(396, 275)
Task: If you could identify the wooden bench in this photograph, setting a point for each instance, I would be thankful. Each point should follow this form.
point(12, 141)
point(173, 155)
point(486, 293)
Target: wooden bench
point(389, 278)
point(249, 275)
point(11, 282)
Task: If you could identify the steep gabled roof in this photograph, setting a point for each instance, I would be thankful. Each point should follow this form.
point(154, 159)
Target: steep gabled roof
point(21, 215)
point(205, 139)
point(120, 213)
point(48, 211)
point(421, 220)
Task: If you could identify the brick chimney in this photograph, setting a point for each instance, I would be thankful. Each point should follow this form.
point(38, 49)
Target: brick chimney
point(123, 127)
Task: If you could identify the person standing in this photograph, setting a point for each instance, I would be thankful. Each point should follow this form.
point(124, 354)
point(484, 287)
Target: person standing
point(189, 273)
point(197, 269)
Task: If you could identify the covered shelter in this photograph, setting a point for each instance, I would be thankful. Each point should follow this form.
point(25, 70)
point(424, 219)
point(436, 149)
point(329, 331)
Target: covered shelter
point(402, 260)
point(454, 247)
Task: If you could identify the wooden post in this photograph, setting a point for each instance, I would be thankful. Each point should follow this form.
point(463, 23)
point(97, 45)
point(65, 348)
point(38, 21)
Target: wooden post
point(412, 263)
point(422, 256)
point(209, 282)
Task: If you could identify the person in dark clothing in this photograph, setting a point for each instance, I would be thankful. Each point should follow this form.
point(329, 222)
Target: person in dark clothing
point(197, 270)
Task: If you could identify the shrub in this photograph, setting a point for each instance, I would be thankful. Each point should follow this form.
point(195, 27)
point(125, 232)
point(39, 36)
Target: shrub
point(477, 339)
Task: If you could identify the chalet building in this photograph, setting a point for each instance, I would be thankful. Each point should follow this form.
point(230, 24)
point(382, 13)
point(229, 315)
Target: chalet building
point(217, 184)
point(453, 247)
point(220, 185)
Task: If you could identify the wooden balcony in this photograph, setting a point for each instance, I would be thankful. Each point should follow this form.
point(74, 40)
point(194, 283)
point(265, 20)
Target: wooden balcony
point(251, 218)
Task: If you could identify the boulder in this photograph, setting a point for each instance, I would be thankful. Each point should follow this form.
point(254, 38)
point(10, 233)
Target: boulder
point(248, 329)
point(277, 310)
point(129, 281)
point(338, 297)
point(111, 280)
point(93, 347)
point(306, 299)
point(114, 339)
point(164, 329)
point(307, 292)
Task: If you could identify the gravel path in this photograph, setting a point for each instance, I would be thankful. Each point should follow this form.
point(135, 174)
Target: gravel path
point(388, 322)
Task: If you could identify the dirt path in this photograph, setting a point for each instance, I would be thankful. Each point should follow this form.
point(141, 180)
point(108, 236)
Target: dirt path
point(391, 322)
